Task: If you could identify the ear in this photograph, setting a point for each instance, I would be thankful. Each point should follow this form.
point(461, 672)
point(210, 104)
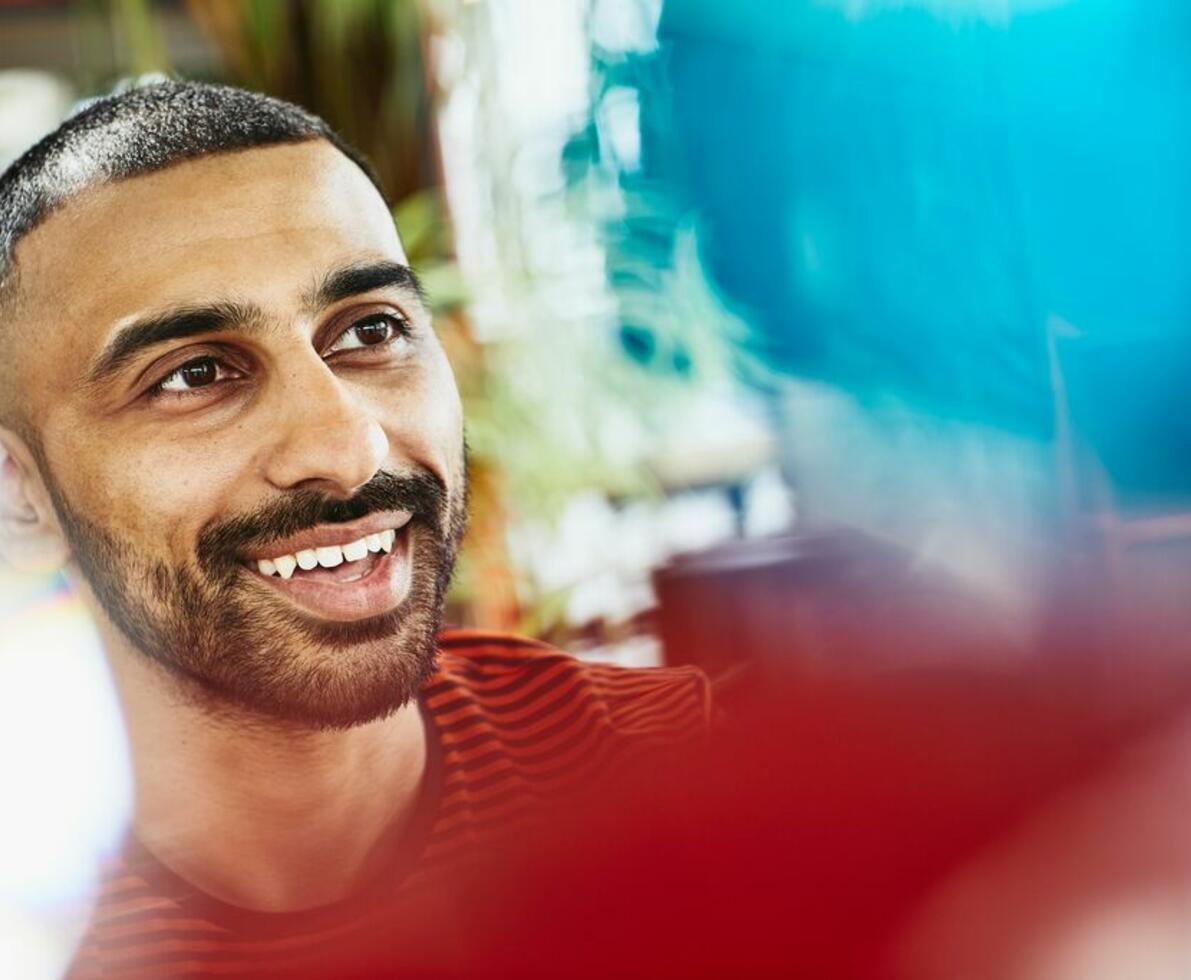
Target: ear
point(31, 539)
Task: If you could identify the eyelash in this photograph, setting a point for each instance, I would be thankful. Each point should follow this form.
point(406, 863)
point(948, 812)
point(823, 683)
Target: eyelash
point(400, 330)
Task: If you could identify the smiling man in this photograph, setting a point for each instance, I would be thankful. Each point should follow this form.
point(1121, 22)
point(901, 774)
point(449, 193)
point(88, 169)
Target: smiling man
point(226, 415)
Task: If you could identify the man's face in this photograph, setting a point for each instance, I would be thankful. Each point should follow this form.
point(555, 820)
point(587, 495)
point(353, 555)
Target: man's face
point(233, 379)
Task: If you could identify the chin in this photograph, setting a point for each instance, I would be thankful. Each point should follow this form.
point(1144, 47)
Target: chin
point(310, 673)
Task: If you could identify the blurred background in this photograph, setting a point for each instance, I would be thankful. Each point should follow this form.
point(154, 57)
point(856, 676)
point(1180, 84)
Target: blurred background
point(776, 321)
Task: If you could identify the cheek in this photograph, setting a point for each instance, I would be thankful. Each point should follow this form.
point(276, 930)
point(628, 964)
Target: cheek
point(154, 495)
point(424, 421)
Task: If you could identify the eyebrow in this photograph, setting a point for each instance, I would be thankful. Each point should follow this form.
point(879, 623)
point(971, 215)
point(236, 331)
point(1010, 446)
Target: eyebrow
point(175, 324)
point(363, 277)
point(190, 321)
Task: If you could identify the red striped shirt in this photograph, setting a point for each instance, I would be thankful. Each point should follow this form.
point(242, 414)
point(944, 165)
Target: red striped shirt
point(512, 726)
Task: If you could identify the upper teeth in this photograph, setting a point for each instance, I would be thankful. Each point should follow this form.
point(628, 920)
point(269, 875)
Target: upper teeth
point(329, 556)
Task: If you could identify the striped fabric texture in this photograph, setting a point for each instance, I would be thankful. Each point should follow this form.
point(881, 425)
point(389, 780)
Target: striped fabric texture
point(513, 726)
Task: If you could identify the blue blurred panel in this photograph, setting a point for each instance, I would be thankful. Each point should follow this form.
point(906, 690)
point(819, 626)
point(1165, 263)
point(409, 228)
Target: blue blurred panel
point(1100, 94)
point(1128, 397)
point(902, 199)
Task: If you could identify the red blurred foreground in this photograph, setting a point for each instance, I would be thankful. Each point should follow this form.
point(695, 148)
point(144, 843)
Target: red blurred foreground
point(965, 816)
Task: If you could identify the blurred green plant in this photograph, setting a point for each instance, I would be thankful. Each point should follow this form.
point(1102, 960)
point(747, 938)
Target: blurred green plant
point(356, 63)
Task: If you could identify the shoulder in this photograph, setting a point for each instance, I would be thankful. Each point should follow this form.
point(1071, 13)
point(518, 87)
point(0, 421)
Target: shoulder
point(513, 676)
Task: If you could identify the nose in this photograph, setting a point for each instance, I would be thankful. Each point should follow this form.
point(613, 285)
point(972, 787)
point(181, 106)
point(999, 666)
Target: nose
point(326, 439)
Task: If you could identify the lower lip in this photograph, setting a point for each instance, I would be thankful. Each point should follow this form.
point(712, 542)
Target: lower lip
point(380, 589)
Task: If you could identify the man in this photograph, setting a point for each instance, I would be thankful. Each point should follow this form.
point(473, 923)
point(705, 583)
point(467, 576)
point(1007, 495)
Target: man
point(226, 415)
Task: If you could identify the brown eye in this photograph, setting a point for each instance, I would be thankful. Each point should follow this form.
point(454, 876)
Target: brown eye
point(372, 331)
point(198, 373)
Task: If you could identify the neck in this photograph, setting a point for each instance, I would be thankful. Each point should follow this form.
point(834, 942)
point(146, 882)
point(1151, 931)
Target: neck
point(261, 814)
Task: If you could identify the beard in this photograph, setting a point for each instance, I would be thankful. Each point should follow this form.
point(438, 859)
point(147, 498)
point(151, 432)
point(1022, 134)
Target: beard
point(229, 643)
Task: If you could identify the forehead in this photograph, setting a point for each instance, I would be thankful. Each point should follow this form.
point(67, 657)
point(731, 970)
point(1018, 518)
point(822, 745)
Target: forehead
point(255, 224)
point(259, 225)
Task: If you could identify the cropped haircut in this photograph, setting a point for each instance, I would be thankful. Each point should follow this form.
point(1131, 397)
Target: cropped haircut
point(136, 132)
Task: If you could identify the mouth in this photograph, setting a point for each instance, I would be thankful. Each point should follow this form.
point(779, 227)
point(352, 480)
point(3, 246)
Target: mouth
point(356, 579)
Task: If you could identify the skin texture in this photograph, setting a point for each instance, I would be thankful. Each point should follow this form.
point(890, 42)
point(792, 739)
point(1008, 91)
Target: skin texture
point(123, 488)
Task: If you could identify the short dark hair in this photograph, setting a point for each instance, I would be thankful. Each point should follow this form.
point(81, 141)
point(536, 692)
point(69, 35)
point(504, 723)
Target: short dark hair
point(136, 132)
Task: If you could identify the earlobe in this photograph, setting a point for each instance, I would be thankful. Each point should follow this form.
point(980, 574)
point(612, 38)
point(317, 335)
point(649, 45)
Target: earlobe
point(30, 540)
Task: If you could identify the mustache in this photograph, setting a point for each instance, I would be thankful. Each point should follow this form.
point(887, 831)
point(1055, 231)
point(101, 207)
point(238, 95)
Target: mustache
point(421, 493)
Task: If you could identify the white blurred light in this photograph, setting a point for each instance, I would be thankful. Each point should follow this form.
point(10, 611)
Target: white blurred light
point(1137, 934)
point(65, 768)
point(694, 521)
point(619, 25)
point(31, 104)
point(64, 772)
point(620, 125)
point(543, 68)
point(769, 504)
point(30, 949)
